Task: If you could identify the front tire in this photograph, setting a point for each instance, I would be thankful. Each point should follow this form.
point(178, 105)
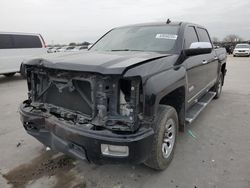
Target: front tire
point(23, 71)
point(164, 141)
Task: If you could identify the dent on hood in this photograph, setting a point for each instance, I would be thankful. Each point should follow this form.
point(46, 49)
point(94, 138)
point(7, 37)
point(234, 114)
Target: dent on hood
point(103, 63)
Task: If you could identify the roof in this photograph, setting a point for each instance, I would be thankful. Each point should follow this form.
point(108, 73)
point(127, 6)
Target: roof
point(18, 33)
point(152, 24)
point(160, 23)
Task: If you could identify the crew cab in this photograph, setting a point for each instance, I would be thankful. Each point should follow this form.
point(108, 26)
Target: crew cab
point(127, 97)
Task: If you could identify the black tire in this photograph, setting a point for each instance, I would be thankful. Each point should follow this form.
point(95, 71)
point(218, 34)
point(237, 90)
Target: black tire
point(218, 86)
point(10, 74)
point(156, 159)
point(23, 71)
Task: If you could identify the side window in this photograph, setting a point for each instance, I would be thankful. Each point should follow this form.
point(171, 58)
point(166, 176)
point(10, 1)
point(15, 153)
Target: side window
point(5, 41)
point(203, 35)
point(26, 41)
point(190, 36)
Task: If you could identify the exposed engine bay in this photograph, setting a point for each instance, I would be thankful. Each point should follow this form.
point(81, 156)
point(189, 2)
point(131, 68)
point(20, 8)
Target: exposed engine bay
point(86, 99)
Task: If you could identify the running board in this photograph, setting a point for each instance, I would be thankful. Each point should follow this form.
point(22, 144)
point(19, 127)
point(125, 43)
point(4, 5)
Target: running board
point(196, 109)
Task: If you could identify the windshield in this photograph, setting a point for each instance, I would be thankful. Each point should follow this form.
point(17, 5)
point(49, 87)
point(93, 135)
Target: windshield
point(242, 46)
point(139, 38)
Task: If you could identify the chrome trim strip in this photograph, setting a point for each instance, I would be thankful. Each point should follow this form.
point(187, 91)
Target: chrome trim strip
point(209, 84)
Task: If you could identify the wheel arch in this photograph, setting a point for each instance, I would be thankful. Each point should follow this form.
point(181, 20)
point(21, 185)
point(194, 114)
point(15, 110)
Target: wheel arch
point(167, 88)
point(23, 70)
point(223, 71)
point(176, 99)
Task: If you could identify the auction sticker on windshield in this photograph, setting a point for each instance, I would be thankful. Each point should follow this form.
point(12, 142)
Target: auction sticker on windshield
point(166, 36)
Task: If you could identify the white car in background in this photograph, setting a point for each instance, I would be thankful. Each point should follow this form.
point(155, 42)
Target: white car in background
point(51, 50)
point(16, 47)
point(55, 49)
point(65, 49)
point(241, 50)
point(78, 48)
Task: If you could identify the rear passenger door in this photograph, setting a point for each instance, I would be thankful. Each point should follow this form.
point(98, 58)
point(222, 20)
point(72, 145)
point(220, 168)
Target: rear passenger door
point(211, 59)
point(196, 68)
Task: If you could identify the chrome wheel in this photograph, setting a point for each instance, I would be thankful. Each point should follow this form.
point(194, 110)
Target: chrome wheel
point(168, 138)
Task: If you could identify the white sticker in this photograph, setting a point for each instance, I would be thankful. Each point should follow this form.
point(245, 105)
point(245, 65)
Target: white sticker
point(166, 36)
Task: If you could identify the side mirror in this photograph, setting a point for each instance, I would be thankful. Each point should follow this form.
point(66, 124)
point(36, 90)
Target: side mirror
point(197, 48)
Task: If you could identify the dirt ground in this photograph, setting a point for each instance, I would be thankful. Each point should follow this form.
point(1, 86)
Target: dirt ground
point(213, 152)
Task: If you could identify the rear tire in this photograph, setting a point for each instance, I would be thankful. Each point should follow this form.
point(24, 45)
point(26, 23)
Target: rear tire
point(9, 74)
point(164, 141)
point(23, 71)
point(218, 87)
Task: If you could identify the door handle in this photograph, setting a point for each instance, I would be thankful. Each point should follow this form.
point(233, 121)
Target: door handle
point(216, 58)
point(204, 62)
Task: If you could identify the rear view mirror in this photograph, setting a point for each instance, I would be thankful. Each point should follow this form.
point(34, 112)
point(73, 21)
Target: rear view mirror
point(197, 48)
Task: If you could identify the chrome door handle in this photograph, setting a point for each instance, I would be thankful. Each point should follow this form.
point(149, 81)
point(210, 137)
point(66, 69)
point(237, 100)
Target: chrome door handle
point(216, 58)
point(204, 62)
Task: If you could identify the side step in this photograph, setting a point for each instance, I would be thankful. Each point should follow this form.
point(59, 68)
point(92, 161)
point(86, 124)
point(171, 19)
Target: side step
point(196, 109)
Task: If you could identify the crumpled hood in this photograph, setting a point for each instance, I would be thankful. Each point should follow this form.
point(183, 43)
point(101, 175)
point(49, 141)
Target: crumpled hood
point(92, 61)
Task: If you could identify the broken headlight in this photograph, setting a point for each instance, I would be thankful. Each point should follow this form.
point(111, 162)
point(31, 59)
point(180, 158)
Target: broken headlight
point(129, 98)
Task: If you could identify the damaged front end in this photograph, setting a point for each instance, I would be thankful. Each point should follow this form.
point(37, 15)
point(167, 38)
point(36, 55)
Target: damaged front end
point(87, 115)
point(104, 102)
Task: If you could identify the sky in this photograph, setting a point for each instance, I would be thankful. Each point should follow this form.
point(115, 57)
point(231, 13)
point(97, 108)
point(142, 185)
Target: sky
point(64, 21)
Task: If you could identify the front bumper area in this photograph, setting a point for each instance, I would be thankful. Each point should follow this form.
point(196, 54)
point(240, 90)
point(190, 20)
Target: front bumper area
point(83, 143)
point(241, 53)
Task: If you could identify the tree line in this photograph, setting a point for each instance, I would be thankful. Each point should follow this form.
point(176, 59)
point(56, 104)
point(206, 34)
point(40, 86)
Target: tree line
point(232, 38)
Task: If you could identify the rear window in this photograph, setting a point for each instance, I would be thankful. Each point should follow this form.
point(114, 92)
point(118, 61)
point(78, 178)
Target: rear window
point(6, 41)
point(26, 41)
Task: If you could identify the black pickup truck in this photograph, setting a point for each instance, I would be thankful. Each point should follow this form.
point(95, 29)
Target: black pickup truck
point(126, 98)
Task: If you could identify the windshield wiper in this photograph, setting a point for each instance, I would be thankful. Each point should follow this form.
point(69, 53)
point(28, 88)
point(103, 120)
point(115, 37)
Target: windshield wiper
point(116, 50)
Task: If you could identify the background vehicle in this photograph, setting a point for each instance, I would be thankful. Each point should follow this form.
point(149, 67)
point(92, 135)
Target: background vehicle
point(78, 48)
point(126, 98)
point(65, 48)
point(241, 50)
point(55, 49)
point(50, 50)
point(16, 47)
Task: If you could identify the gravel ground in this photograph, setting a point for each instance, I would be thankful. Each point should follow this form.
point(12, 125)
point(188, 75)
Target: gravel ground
point(213, 152)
